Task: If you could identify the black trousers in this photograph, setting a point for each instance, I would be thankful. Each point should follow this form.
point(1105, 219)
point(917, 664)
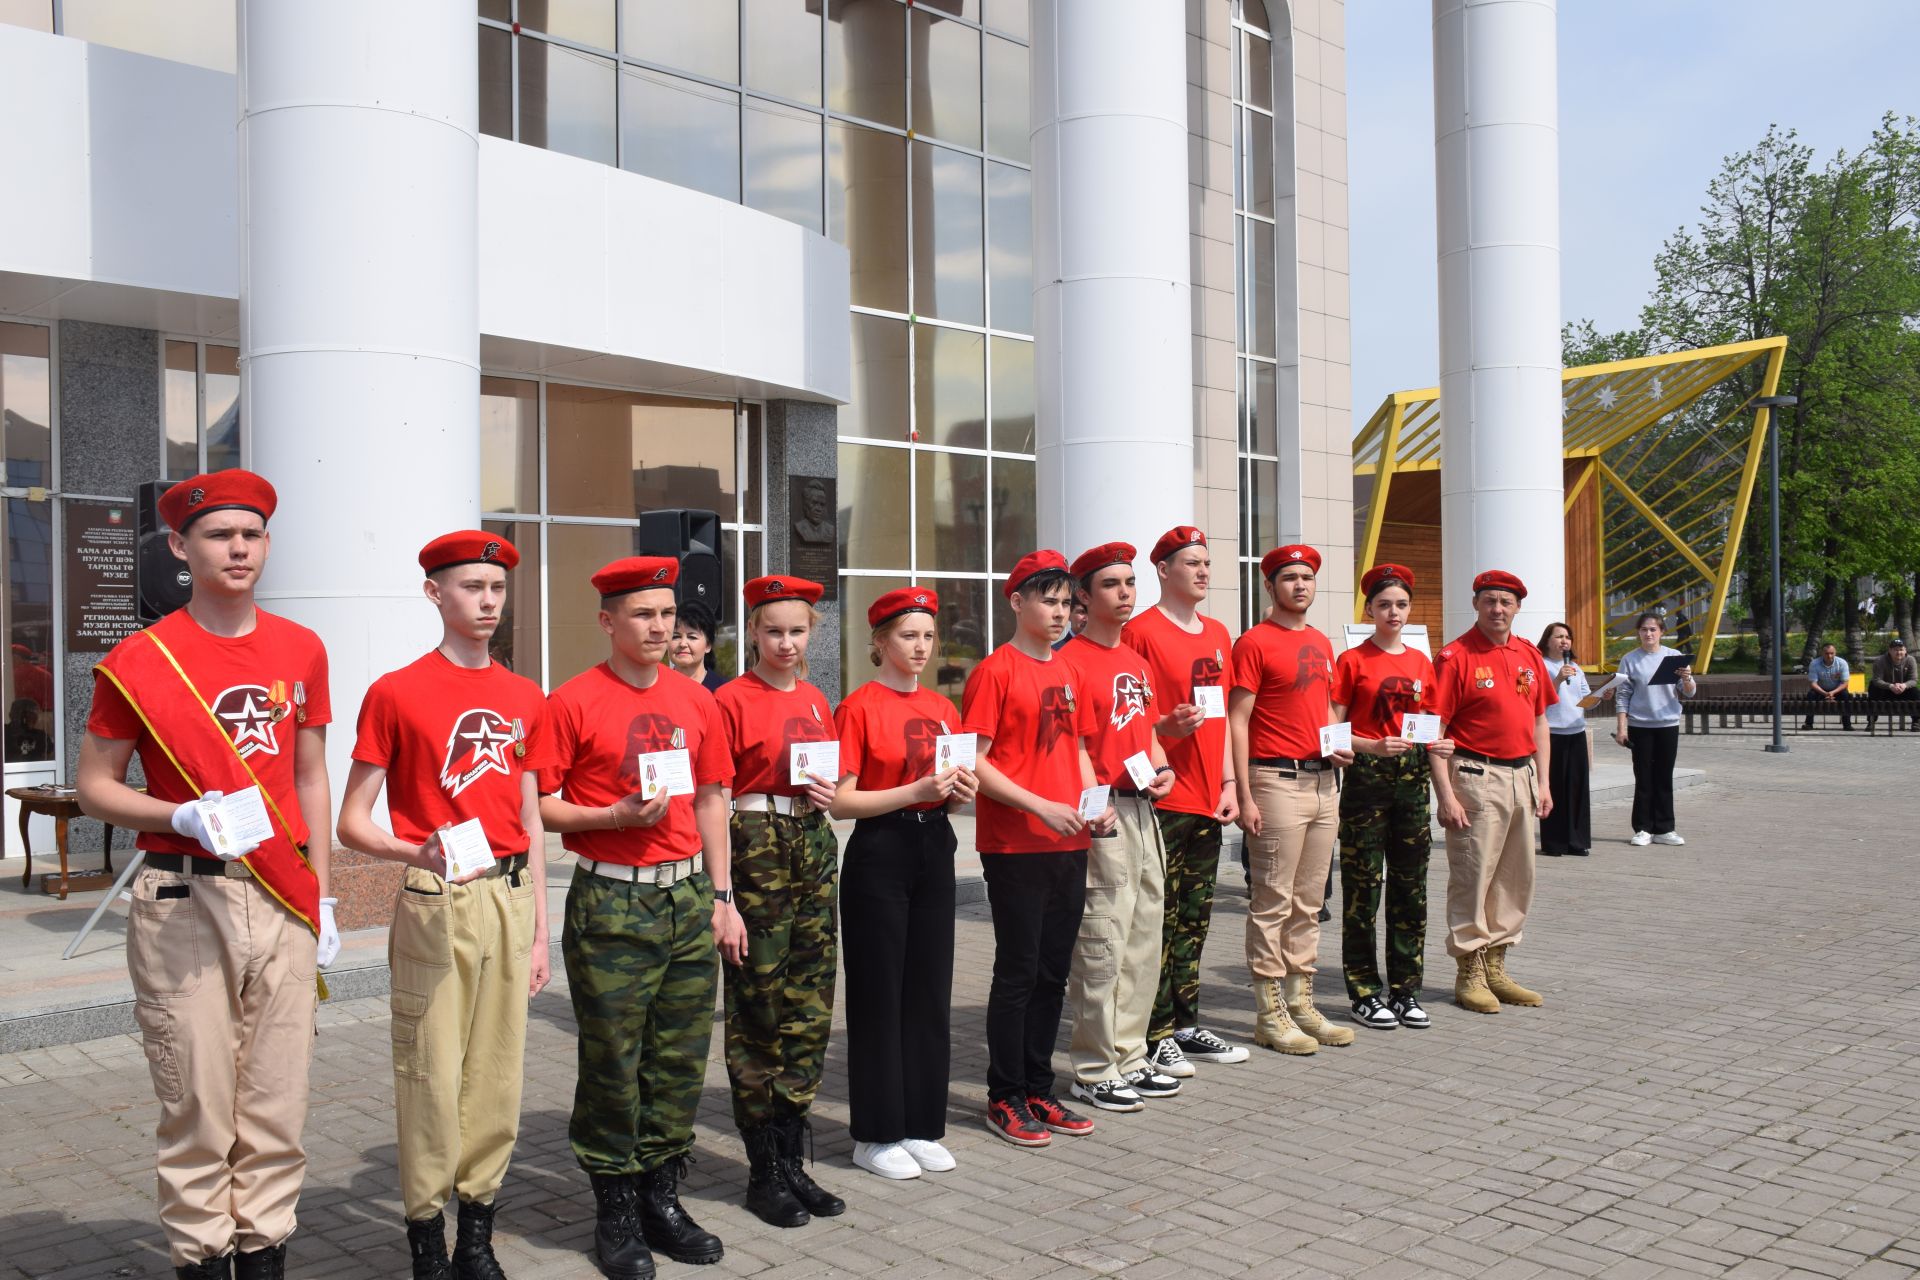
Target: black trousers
point(1843, 698)
point(1884, 695)
point(1037, 901)
point(1569, 826)
point(896, 940)
point(1654, 751)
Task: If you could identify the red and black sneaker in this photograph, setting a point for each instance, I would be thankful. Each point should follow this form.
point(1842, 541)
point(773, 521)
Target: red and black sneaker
point(1010, 1119)
point(1048, 1111)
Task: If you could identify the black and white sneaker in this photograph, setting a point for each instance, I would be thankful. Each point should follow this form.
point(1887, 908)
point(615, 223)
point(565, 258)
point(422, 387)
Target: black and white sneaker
point(1408, 1010)
point(1165, 1057)
point(1201, 1045)
point(1149, 1083)
point(1109, 1095)
point(1372, 1011)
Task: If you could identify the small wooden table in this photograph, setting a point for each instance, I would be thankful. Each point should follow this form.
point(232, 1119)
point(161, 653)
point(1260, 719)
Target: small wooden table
point(61, 804)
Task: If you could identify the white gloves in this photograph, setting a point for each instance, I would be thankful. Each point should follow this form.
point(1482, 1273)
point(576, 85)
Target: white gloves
point(190, 821)
point(328, 948)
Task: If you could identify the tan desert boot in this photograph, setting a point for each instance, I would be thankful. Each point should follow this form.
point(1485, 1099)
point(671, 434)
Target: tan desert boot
point(1307, 1018)
point(1272, 1028)
point(1470, 987)
point(1504, 988)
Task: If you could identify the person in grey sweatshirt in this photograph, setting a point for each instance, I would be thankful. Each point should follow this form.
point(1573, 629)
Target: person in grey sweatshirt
point(1649, 725)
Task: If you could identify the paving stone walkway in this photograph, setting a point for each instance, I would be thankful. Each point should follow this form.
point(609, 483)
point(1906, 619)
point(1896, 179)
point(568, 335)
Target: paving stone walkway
point(1725, 1080)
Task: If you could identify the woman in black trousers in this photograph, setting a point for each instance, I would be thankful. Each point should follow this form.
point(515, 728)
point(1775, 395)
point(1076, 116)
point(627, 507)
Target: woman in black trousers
point(896, 893)
point(1567, 830)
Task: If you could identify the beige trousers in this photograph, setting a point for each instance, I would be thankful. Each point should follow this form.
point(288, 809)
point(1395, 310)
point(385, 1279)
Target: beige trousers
point(1116, 958)
point(1287, 868)
point(1490, 864)
point(460, 955)
point(224, 994)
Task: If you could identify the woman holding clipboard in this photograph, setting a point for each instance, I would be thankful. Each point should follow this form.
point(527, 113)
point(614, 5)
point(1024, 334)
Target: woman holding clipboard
point(1652, 680)
point(1568, 829)
point(896, 893)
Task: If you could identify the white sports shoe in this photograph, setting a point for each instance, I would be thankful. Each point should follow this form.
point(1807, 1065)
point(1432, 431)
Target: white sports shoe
point(1669, 837)
point(888, 1159)
point(1641, 837)
point(929, 1155)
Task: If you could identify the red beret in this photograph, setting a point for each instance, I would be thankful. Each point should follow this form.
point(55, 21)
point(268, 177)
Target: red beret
point(636, 573)
point(903, 600)
point(1031, 563)
point(773, 588)
point(468, 546)
point(1380, 573)
point(1293, 553)
point(1098, 558)
point(1500, 580)
point(228, 490)
point(1178, 538)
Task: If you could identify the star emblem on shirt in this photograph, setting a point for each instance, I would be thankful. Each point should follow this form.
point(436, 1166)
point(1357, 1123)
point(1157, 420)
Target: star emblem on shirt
point(479, 745)
point(246, 713)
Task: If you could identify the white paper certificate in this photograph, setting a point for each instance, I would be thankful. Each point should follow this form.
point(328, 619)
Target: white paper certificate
point(807, 761)
point(1093, 802)
point(467, 848)
point(1336, 737)
point(1140, 769)
point(1211, 699)
point(669, 771)
point(237, 821)
point(954, 751)
point(1415, 727)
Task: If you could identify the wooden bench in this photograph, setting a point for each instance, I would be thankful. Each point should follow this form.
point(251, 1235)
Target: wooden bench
point(1734, 710)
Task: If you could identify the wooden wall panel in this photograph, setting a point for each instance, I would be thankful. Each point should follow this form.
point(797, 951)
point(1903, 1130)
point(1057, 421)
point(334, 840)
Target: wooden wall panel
point(1583, 559)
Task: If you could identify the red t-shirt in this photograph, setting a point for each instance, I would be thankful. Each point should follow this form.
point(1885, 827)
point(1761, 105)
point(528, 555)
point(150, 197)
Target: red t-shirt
point(244, 679)
point(601, 726)
point(762, 723)
point(1290, 676)
point(1176, 662)
point(1118, 693)
point(1377, 687)
point(886, 737)
point(1036, 719)
point(455, 743)
point(1491, 695)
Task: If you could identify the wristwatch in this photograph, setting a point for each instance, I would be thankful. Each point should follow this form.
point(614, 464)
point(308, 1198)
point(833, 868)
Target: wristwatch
point(723, 895)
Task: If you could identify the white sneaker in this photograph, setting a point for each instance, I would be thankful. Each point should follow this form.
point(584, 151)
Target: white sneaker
point(929, 1155)
point(1669, 837)
point(888, 1159)
point(1165, 1057)
point(1641, 837)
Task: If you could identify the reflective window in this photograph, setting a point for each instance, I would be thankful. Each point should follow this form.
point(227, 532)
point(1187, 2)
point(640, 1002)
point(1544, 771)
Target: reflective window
point(582, 21)
point(496, 82)
point(867, 211)
point(35, 15)
point(950, 509)
point(222, 407)
point(1010, 246)
point(1013, 515)
point(878, 410)
point(867, 60)
point(200, 407)
point(574, 552)
point(689, 35)
point(965, 630)
point(948, 235)
point(566, 100)
point(873, 485)
point(856, 638)
point(946, 78)
point(617, 453)
point(949, 387)
point(1256, 296)
point(782, 39)
point(180, 409)
point(1009, 16)
point(1012, 383)
point(518, 639)
point(680, 131)
point(1008, 115)
point(26, 529)
point(783, 162)
point(509, 444)
point(197, 31)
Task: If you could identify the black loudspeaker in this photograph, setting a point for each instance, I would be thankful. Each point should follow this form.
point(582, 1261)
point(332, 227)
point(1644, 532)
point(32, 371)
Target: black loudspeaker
point(161, 582)
point(692, 538)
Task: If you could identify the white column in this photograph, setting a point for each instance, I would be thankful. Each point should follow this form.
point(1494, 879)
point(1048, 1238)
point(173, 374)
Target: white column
point(1112, 318)
point(1497, 174)
point(359, 347)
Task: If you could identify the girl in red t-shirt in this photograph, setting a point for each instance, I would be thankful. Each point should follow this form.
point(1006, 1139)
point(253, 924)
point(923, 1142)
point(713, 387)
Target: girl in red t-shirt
point(896, 895)
point(1384, 813)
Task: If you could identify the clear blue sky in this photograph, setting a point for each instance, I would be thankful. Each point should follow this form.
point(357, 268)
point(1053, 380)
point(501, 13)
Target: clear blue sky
point(1652, 94)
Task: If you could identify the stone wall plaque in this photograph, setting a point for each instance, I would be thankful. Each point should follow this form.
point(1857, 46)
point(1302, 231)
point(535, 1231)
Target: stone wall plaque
point(100, 550)
point(811, 552)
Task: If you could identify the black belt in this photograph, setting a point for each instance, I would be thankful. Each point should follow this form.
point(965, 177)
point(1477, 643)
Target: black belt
point(1127, 793)
point(182, 864)
point(1508, 762)
point(1282, 762)
point(914, 817)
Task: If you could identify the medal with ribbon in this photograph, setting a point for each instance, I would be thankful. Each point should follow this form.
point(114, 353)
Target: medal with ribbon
point(299, 702)
point(277, 701)
point(519, 739)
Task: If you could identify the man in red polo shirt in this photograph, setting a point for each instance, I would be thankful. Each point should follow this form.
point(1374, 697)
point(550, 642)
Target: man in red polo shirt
point(1492, 690)
point(652, 896)
point(1187, 651)
point(1289, 805)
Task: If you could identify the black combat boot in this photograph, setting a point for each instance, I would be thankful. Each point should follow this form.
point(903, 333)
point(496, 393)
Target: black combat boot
point(617, 1245)
point(473, 1244)
point(219, 1268)
point(796, 1134)
point(427, 1242)
point(768, 1196)
point(666, 1225)
point(261, 1264)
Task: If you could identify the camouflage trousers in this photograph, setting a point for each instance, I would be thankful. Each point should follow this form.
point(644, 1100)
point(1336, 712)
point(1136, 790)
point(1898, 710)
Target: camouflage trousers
point(1193, 865)
point(640, 964)
point(1384, 816)
point(780, 1002)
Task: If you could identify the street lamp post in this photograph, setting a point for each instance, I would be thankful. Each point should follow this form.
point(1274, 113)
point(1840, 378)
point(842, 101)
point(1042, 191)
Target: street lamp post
point(1773, 404)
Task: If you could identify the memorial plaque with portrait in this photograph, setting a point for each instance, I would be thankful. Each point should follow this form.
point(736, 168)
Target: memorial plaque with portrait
point(812, 532)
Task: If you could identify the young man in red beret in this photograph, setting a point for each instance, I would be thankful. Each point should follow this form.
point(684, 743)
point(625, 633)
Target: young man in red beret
point(651, 898)
point(1492, 690)
point(1116, 961)
point(454, 738)
point(1187, 651)
point(1289, 804)
point(1032, 765)
point(220, 698)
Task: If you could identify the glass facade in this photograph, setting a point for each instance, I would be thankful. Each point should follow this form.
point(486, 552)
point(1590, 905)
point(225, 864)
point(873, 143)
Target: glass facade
point(197, 31)
point(1256, 308)
point(199, 407)
point(27, 528)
